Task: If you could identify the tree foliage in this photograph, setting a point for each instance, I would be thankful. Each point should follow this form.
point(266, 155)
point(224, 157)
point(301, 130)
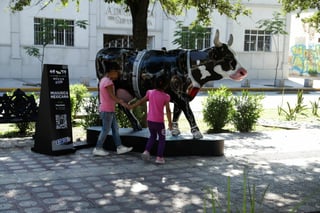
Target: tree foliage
point(139, 11)
point(204, 8)
point(301, 6)
point(276, 25)
point(19, 5)
point(185, 37)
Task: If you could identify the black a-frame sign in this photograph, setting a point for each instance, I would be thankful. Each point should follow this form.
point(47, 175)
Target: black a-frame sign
point(53, 134)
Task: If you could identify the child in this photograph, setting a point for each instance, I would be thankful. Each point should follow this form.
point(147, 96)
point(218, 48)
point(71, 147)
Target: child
point(108, 102)
point(158, 99)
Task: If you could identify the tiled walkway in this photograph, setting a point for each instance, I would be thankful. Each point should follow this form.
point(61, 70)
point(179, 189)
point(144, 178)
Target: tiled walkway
point(287, 160)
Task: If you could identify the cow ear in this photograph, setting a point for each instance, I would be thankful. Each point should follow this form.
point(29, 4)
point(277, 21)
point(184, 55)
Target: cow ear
point(230, 40)
point(216, 40)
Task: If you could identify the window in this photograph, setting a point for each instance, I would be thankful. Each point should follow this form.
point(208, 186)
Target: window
point(69, 33)
point(257, 40)
point(53, 31)
point(195, 39)
point(123, 41)
point(118, 41)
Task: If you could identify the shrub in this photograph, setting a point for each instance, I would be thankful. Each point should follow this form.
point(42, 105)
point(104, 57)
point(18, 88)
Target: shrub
point(91, 108)
point(25, 127)
point(217, 109)
point(78, 92)
point(122, 118)
point(139, 112)
point(92, 118)
point(315, 107)
point(292, 112)
point(247, 111)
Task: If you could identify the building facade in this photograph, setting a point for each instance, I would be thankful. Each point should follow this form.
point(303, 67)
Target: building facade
point(109, 25)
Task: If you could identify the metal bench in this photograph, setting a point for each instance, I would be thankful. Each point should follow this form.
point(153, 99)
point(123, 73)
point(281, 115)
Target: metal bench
point(18, 108)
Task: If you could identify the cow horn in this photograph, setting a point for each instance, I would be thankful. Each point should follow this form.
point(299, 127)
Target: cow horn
point(216, 40)
point(230, 40)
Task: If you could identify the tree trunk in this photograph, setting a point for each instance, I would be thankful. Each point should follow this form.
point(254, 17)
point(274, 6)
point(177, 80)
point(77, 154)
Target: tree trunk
point(139, 13)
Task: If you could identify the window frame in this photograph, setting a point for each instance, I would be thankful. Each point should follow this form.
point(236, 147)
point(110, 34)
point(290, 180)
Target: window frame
point(257, 41)
point(57, 32)
point(188, 35)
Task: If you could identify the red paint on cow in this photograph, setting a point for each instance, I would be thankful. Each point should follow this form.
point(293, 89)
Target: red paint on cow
point(193, 91)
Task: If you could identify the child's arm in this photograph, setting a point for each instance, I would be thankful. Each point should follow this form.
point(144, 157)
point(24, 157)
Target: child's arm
point(114, 97)
point(142, 100)
point(168, 112)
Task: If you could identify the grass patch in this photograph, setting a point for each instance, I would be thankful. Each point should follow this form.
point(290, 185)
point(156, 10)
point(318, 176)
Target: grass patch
point(11, 131)
point(272, 114)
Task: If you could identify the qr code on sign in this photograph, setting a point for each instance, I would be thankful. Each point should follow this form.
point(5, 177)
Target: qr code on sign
point(61, 121)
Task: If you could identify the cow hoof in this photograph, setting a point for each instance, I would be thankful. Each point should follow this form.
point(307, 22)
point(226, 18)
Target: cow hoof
point(197, 135)
point(175, 132)
point(137, 128)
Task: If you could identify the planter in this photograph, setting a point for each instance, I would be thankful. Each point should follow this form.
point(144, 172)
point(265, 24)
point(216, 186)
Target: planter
point(245, 83)
point(279, 83)
point(308, 83)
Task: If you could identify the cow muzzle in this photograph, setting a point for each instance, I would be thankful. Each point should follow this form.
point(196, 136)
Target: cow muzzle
point(239, 75)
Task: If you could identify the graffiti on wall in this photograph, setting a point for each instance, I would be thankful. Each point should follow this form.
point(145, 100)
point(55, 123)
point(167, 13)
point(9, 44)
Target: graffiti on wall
point(305, 61)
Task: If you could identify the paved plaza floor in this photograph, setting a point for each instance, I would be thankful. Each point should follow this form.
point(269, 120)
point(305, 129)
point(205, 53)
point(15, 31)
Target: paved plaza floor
point(286, 160)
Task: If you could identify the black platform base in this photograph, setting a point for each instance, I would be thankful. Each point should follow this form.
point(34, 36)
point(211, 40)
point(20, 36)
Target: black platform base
point(182, 145)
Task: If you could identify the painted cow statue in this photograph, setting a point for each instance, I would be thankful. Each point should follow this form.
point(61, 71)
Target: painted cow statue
point(185, 71)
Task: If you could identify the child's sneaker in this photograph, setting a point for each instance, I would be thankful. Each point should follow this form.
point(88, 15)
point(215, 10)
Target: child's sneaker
point(145, 155)
point(99, 152)
point(123, 149)
point(160, 160)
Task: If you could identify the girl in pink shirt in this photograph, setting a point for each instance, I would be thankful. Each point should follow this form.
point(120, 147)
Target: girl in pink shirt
point(108, 101)
point(158, 100)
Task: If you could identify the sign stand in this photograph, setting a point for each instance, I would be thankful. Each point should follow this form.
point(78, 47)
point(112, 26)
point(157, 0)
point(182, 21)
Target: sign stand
point(53, 134)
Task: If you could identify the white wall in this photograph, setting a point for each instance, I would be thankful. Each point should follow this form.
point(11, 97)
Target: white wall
point(260, 65)
point(18, 33)
point(5, 39)
point(5, 24)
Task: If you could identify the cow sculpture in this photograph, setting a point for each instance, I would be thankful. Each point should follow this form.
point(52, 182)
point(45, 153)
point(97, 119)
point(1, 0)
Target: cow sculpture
point(185, 71)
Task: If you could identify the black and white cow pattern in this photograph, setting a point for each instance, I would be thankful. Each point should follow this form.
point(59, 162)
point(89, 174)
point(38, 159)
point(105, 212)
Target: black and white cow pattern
point(186, 72)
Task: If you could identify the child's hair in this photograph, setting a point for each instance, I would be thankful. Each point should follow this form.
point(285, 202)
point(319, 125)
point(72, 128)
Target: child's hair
point(160, 82)
point(111, 66)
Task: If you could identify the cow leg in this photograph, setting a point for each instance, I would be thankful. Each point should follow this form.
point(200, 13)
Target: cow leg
point(133, 120)
point(183, 105)
point(127, 97)
point(176, 114)
point(192, 122)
